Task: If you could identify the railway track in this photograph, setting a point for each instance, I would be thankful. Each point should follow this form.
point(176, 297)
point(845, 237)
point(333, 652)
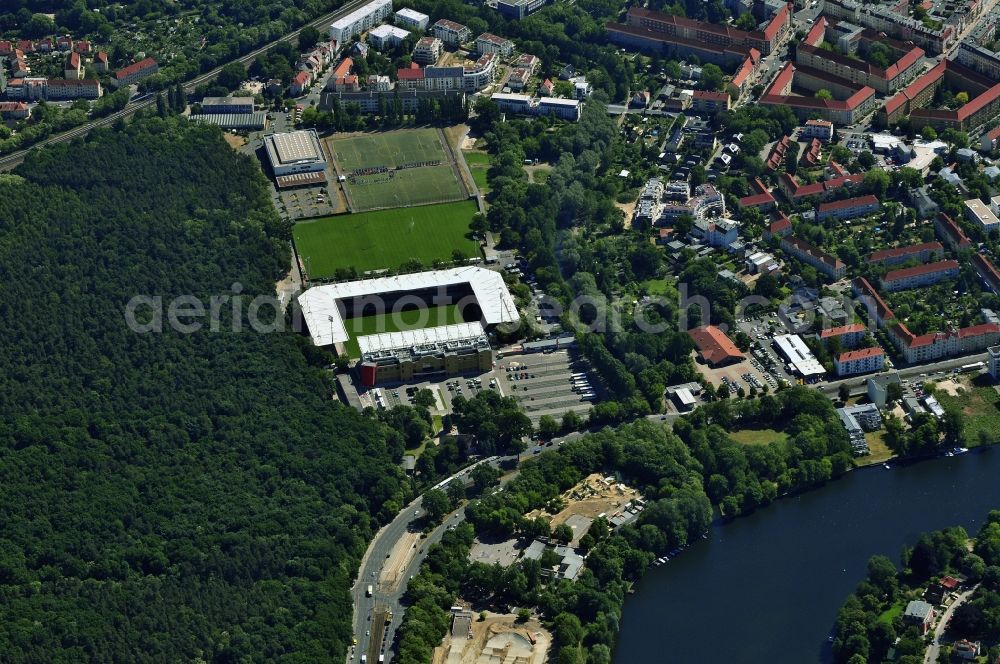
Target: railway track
point(11, 160)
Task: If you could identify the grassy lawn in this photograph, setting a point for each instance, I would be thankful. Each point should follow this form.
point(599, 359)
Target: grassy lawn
point(409, 319)
point(657, 287)
point(879, 451)
point(980, 404)
point(758, 436)
point(891, 613)
point(385, 239)
point(479, 163)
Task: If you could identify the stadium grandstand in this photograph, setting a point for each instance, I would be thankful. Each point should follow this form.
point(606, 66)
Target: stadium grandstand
point(325, 308)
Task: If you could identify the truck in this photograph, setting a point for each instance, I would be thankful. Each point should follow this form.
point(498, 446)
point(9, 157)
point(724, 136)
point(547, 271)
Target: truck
point(364, 659)
point(388, 617)
point(368, 592)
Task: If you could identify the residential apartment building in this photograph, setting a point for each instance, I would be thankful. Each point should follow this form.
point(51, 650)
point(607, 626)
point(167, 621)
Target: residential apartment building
point(135, 72)
point(669, 33)
point(71, 88)
point(101, 63)
point(820, 129)
point(383, 37)
point(369, 100)
point(427, 50)
point(848, 336)
point(74, 66)
point(987, 272)
point(451, 33)
point(851, 101)
point(979, 213)
point(849, 208)
point(14, 110)
point(854, 362)
point(979, 58)
point(411, 19)
point(883, 18)
point(950, 233)
point(480, 73)
point(908, 63)
point(490, 43)
point(566, 109)
point(922, 253)
point(707, 101)
point(920, 275)
point(361, 19)
point(830, 266)
point(515, 10)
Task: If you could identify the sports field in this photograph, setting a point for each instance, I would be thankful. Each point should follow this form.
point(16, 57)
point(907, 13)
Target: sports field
point(409, 319)
point(385, 239)
point(396, 169)
point(388, 148)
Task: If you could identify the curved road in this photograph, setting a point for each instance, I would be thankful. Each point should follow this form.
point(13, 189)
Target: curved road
point(934, 649)
point(13, 159)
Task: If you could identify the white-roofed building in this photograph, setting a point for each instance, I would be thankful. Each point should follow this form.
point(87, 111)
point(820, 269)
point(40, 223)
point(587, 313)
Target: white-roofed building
point(361, 19)
point(295, 152)
point(412, 19)
point(325, 307)
point(387, 36)
point(388, 342)
point(798, 355)
point(395, 357)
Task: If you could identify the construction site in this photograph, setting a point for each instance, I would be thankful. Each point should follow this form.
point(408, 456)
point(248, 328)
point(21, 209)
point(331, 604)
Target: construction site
point(499, 639)
point(595, 496)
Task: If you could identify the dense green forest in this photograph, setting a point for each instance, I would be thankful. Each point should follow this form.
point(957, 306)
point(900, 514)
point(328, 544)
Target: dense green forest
point(167, 497)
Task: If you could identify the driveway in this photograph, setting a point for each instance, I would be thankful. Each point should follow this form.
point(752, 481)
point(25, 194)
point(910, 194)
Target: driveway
point(935, 647)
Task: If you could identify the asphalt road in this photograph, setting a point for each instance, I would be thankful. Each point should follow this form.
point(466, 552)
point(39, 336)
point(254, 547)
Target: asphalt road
point(11, 160)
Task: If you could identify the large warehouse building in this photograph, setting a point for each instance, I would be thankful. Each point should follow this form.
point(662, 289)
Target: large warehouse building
point(295, 153)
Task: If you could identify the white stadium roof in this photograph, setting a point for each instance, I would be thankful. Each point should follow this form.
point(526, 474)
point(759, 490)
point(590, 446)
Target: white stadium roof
point(389, 341)
point(326, 325)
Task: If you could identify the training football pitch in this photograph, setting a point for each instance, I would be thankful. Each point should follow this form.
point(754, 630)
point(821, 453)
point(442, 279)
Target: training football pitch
point(408, 319)
point(429, 176)
point(385, 239)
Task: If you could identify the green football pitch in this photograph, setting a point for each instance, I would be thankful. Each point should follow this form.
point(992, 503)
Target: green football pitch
point(397, 188)
point(385, 239)
point(388, 148)
point(408, 319)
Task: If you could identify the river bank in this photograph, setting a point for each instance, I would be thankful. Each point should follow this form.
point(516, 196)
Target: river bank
point(766, 587)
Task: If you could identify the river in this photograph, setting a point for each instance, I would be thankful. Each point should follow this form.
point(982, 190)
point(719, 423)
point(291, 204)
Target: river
point(765, 589)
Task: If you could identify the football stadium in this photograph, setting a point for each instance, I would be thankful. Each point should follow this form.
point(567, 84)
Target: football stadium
point(403, 349)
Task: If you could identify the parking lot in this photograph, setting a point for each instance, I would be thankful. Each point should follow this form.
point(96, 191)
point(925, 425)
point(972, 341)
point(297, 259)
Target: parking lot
point(763, 358)
point(549, 383)
point(306, 202)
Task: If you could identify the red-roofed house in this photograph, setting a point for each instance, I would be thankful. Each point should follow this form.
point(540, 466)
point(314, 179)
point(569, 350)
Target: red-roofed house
point(101, 63)
point(988, 143)
point(82, 47)
point(777, 156)
point(873, 302)
point(64, 43)
point(849, 336)
point(810, 157)
point(135, 72)
point(861, 361)
point(6, 47)
point(760, 199)
point(301, 83)
point(921, 275)
point(411, 78)
point(779, 227)
point(714, 347)
point(914, 252)
point(74, 66)
point(14, 110)
point(848, 208)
